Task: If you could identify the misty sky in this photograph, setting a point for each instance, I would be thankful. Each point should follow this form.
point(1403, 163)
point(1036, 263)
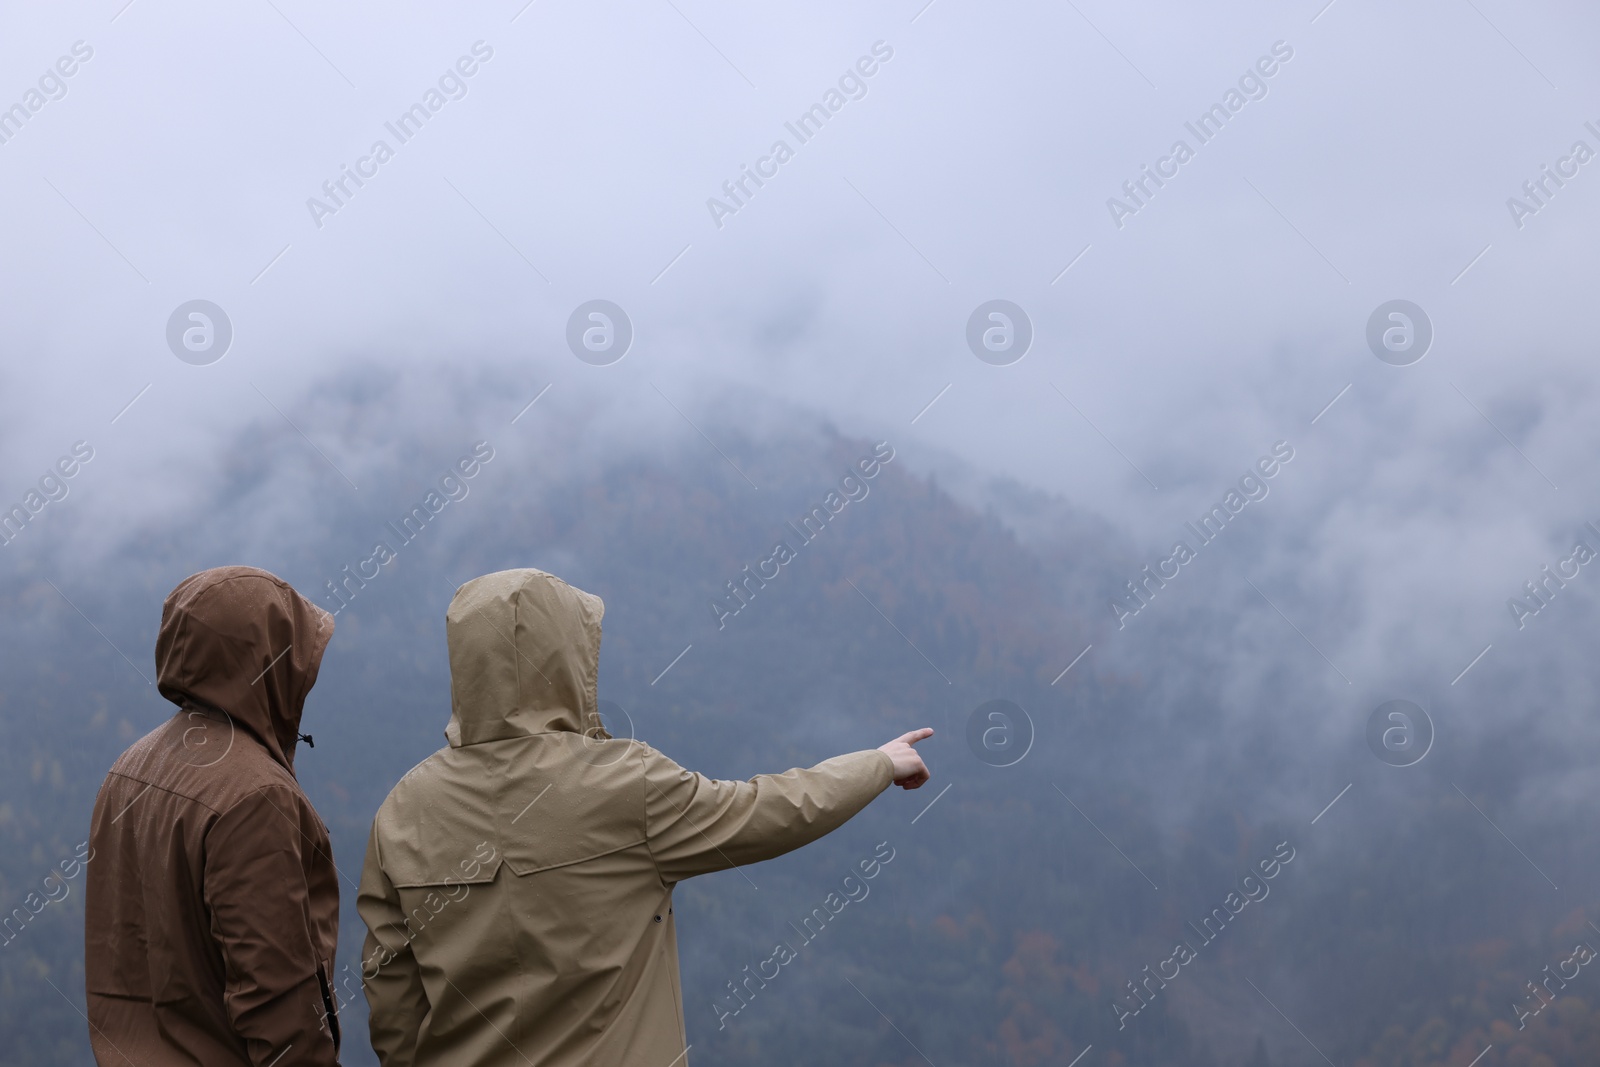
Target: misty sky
point(1172, 346)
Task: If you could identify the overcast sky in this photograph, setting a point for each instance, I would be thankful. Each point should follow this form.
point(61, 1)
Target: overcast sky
point(1176, 337)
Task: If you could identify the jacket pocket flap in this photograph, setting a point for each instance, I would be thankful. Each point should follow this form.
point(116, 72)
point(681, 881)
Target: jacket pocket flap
point(410, 867)
point(570, 825)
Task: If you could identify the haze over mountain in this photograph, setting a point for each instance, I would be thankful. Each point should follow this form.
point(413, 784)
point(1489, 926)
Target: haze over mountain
point(1166, 764)
point(1423, 534)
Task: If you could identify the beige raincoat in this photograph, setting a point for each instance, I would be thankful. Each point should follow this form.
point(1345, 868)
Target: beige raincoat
point(518, 884)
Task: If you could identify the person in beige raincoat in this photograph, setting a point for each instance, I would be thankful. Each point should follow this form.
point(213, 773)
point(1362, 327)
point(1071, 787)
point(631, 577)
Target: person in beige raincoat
point(518, 883)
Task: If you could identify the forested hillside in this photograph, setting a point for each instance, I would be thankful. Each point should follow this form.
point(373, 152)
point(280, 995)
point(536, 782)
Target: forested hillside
point(1012, 914)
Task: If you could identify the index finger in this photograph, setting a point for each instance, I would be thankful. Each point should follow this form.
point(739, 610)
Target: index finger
point(916, 735)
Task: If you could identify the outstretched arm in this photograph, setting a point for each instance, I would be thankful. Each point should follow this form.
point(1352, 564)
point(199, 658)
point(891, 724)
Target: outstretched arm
point(697, 824)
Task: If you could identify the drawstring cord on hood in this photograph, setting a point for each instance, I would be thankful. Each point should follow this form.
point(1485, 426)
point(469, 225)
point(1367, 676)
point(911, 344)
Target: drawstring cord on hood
point(192, 704)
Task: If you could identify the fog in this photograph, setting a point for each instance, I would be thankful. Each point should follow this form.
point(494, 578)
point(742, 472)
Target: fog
point(1194, 317)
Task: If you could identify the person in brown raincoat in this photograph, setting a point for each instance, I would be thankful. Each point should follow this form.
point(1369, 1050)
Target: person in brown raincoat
point(212, 905)
point(518, 883)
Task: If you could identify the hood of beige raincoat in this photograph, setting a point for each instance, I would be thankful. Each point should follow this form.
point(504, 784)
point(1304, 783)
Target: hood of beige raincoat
point(524, 658)
point(242, 641)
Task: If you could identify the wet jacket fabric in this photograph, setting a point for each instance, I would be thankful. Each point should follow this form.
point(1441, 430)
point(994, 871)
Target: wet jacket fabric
point(212, 901)
point(518, 883)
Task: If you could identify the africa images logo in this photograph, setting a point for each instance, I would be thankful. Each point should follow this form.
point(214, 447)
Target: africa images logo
point(199, 332)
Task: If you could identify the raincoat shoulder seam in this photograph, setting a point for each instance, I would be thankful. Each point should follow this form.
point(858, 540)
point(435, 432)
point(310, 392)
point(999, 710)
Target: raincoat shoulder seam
point(165, 789)
point(298, 799)
point(644, 806)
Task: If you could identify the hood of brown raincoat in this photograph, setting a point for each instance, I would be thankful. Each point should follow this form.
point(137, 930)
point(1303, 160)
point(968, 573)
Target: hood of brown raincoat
point(524, 658)
point(242, 641)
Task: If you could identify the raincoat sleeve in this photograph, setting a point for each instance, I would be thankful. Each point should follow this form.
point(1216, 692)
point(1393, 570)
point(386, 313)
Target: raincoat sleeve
point(696, 825)
point(276, 992)
point(389, 971)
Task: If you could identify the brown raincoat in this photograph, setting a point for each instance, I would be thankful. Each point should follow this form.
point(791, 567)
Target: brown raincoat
point(518, 884)
point(212, 902)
